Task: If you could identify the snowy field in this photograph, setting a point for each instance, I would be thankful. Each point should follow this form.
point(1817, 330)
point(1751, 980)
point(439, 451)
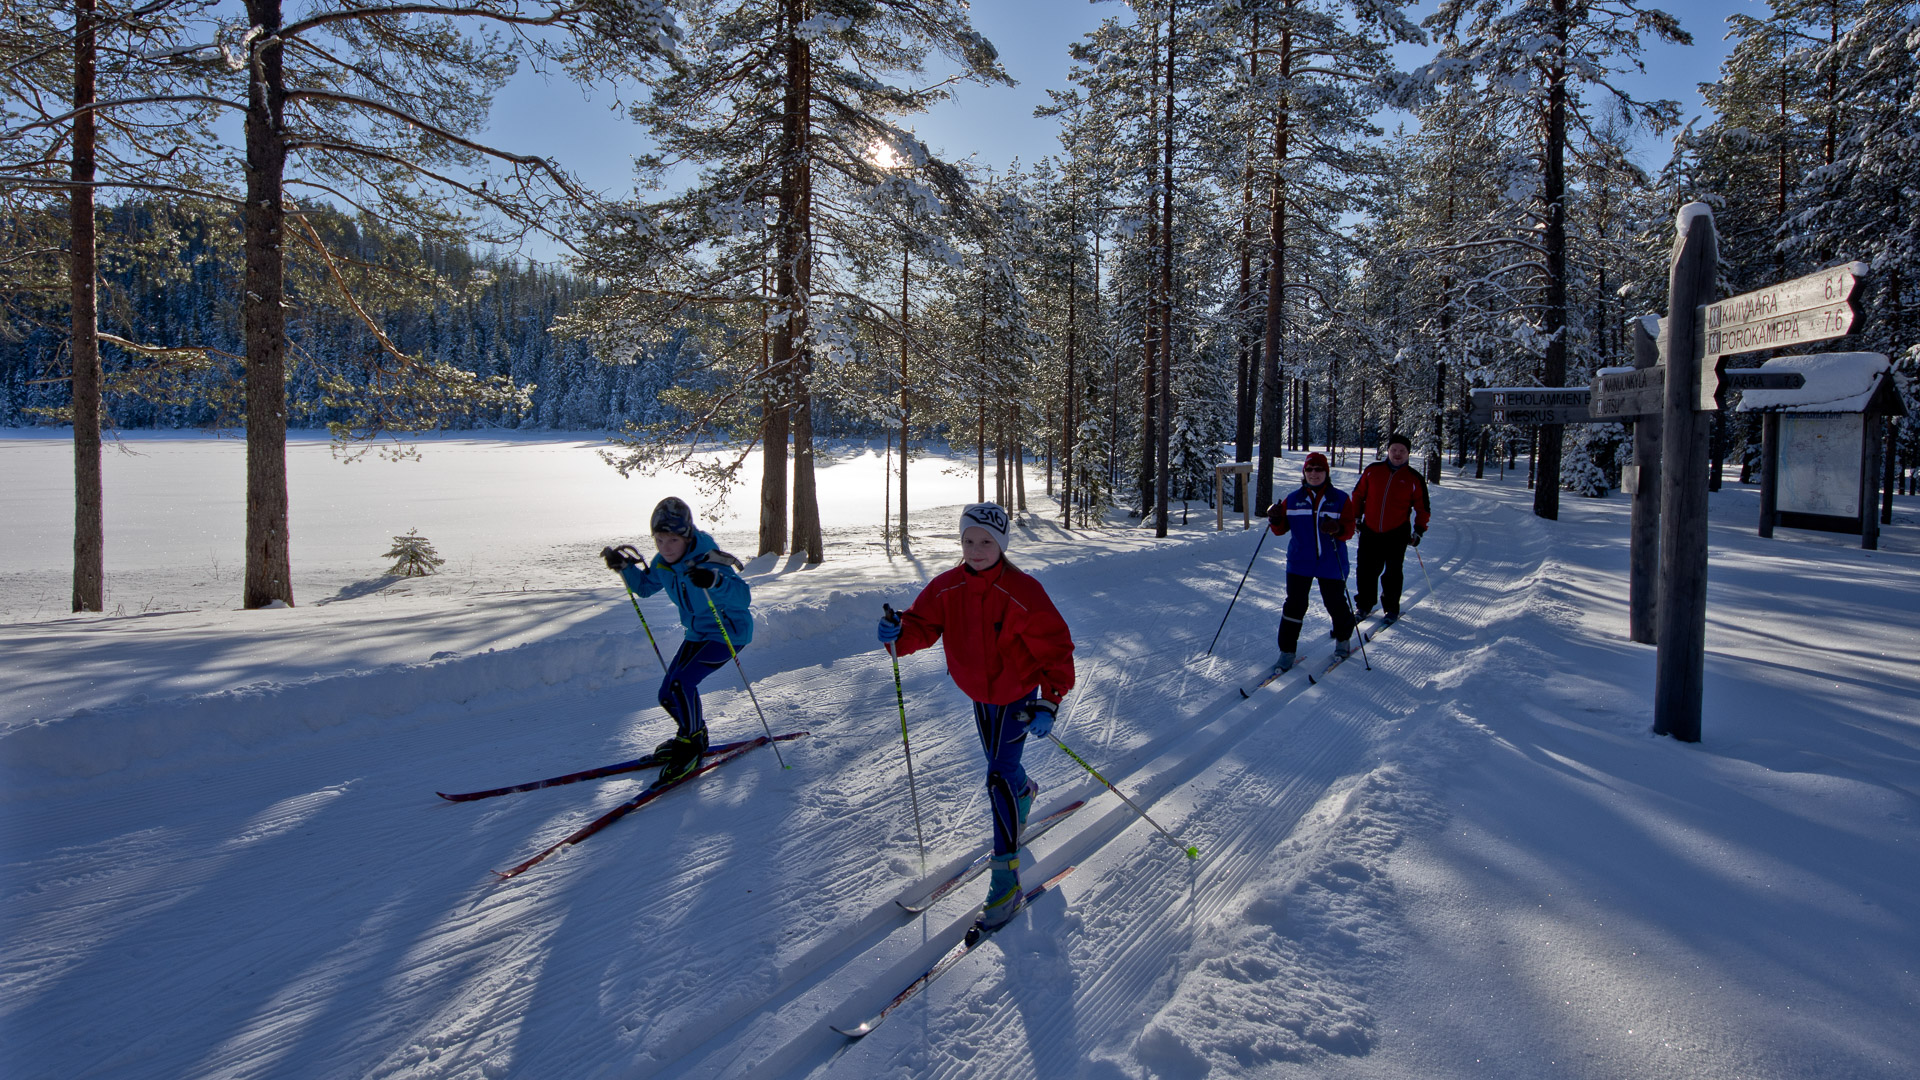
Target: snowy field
point(1463, 857)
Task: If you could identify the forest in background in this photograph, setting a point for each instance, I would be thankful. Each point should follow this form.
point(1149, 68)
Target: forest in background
point(1228, 256)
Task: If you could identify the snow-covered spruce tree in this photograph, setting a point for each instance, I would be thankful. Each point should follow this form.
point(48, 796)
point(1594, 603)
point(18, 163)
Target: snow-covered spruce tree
point(785, 109)
point(413, 556)
point(1543, 66)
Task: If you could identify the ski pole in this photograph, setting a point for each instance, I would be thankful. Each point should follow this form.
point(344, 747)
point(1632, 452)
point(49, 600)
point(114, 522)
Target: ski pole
point(1356, 627)
point(1190, 851)
point(1423, 569)
point(1236, 591)
point(731, 651)
point(900, 698)
point(623, 549)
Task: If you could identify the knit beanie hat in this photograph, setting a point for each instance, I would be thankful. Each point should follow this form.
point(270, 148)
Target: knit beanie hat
point(988, 516)
point(673, 516)
point(1313, 459)
point(1396, 437)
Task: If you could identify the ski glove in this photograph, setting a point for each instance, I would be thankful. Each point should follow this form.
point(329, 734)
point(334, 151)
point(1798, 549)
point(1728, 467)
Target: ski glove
point(1039, 718)
point(619, 558)
point(1414, 540)
point(889, 628)
point(1330, 526)
point(702, 577)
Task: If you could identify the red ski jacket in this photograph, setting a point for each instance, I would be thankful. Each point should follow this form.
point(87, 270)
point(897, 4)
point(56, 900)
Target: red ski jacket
point(1002, 634)
point(1388, 496)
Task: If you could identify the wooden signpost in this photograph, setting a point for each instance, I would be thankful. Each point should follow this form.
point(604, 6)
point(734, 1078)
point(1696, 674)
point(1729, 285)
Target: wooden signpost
point(1699, 336)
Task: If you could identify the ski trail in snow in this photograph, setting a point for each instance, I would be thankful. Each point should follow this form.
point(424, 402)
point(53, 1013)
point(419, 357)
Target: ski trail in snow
point(1290, 810)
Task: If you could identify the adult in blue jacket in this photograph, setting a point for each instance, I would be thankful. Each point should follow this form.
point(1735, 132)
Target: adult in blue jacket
point(704, 584)
point(1318, 518)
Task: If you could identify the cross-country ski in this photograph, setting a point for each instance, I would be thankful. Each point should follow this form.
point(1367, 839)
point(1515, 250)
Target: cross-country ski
point(647, 761)
point(650, 793)
point(974, 935)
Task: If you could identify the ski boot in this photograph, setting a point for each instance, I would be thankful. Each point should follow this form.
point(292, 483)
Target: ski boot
point(1003, 891)
point(679, 756)
point(1023, 802)
point(1343, 648)
point(1286, 663)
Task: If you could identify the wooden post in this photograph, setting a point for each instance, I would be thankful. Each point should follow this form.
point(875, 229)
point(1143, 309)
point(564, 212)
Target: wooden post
point(1769, 473)
point(1891, 470)
point(1644, 544)
point(1680, 672)
point(1870, 482)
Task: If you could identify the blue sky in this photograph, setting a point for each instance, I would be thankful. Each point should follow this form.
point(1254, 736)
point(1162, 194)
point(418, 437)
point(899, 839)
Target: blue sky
point(996, 124)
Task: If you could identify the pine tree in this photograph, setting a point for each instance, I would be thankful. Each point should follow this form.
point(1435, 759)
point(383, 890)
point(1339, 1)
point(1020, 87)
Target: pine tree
point(413, 556)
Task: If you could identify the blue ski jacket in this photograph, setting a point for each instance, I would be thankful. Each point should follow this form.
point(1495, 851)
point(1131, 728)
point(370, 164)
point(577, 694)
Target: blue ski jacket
point(1311, 551)
point(730, 593)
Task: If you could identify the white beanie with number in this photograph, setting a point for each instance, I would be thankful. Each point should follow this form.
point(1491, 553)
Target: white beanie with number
point(988, 516)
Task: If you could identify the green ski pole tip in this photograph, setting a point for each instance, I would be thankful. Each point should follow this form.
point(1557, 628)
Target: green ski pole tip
point(1193, 853)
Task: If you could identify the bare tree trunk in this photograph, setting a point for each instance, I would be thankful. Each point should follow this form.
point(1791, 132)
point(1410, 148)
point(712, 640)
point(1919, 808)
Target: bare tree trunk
point(791, 279)
point(1162, 479)
point(980, 452)
point(1069, 410)
point(806, 502)
point(1245, 388)
point(269, 574)
point(1546, 493)
point(906, 313)
point(89, 529)
point(1149, 375)
point(1270, 435)
point(1020, 475)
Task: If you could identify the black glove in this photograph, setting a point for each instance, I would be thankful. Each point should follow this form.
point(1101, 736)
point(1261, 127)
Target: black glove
point(1414, 540)
point(1330, 526)
point(619, 558)
point(703, 577)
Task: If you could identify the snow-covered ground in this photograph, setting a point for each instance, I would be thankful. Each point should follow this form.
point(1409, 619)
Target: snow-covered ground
point(224, 858)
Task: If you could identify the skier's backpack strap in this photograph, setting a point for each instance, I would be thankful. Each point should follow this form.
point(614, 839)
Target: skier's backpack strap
point(718, 556)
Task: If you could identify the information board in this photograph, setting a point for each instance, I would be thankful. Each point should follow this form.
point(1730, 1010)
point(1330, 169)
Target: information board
point(1820, 459)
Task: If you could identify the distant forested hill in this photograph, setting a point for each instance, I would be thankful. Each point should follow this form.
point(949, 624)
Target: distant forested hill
point(171, 279)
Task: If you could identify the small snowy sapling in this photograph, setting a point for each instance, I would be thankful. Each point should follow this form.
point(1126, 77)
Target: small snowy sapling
point(413, 556)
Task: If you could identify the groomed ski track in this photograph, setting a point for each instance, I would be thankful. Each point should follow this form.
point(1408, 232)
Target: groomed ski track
point(725, 926)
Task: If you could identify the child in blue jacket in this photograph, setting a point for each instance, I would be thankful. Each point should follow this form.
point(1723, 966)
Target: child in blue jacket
point(1320, 518)
point(704, 583)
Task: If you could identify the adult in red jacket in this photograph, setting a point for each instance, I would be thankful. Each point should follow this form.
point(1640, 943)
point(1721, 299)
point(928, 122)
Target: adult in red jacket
point(1393, 514)
point(1009, 650)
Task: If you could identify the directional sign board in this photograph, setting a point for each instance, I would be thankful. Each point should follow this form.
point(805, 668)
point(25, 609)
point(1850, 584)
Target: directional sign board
point(1793, 328)
point(1818, 307)
point(1828, 288)
point(1532, 405)
point(1624, 394)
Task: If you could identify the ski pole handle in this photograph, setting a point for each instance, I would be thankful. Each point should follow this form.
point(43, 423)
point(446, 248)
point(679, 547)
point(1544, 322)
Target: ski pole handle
point(1189, 850)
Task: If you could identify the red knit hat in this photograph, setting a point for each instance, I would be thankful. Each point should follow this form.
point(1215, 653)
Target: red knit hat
point(1313, 459)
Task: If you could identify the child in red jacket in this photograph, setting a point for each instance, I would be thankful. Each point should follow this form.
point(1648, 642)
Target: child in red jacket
point(1009, 650)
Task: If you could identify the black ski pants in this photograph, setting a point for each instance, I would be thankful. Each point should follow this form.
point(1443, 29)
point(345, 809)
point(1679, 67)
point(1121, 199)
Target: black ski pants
point(1383, 557)
point(1333, 593)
